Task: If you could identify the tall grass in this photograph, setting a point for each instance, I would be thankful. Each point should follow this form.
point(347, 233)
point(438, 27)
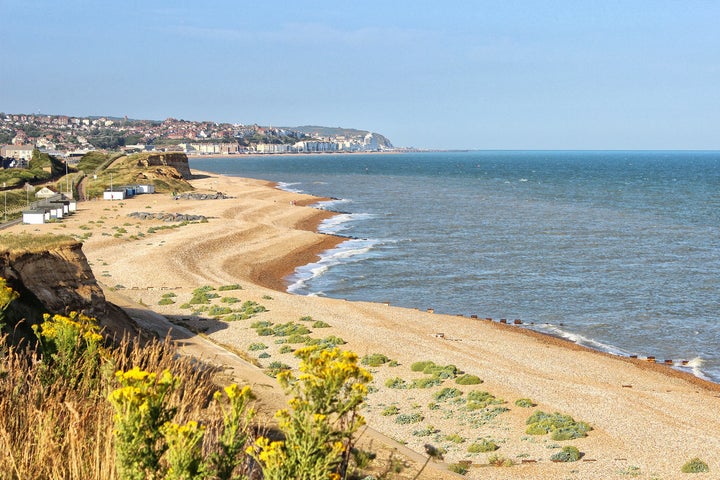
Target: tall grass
point(51, 431)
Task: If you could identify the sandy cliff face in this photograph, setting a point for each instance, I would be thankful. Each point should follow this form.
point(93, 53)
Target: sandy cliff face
point(60, 281)
point(178, 161)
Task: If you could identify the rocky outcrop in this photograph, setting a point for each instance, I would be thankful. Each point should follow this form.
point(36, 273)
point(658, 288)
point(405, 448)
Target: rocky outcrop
point(59, 281)
point(168, 217)
point(178, 161)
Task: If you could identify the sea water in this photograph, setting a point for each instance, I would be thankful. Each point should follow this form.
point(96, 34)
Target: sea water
point(618, 251)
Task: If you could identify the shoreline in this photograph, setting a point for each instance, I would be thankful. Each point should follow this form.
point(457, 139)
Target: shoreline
point(643, 414)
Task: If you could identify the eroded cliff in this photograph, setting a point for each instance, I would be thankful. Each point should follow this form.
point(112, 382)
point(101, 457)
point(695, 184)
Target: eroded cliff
point(58, 280)
point(178, 161)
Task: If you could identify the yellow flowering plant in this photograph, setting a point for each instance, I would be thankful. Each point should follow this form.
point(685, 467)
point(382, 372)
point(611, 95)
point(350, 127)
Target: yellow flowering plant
point(7, 296)
point(184, 453)
point(234, 403)
point(322, 417)
point(140, 414)
point(71, 346)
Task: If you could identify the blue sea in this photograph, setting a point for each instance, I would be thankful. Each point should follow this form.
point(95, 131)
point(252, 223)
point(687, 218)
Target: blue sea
point(618, 251)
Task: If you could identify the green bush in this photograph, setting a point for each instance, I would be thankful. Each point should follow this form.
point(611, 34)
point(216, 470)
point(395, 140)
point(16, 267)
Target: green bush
point(425, 432)
point(320, 324)
point(297, 338)
point(477, 400)
point(328, 342)
point(563, 427)
point(426, 382)
point(166, 301)
point(454, 438)
point(420, 366)
point(217, 311)
point(230, 300)
point(257, 346)
point(567, 454)
point(459, 468)
point(444, 372)
point(524, 403)
point(276, 367)
point(391, 410)
point(467, 379)
point(286, 349)
point(695, 466)
point(407, 418)
point(234, 286)
point(446, 394)
point(396, 382)
point(500, 461)
point(374, 360)
point(483, 446)
point(261, 323)
point(290, 328)
point(264, 355)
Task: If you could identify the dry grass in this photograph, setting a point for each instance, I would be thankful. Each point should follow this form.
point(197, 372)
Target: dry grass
point(30, 243)
point(54, 432)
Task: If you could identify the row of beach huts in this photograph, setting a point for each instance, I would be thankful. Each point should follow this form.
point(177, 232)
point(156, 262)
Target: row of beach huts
point(53, 206)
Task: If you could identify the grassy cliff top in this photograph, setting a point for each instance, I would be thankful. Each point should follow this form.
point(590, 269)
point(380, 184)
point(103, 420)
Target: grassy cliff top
point(30, 243)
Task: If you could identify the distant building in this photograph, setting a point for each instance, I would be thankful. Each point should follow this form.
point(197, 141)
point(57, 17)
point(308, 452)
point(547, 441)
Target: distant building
point(18, 152)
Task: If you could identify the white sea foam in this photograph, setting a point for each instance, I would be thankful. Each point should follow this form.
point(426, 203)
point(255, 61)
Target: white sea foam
point(350, 250)
point(557, 331)
point(341, 221)
point(288, 187)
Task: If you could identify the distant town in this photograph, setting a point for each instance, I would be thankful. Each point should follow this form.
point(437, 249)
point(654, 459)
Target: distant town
point(70, 137)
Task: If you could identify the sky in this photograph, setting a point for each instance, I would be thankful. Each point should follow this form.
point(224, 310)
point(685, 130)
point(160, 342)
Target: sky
point(484, 74)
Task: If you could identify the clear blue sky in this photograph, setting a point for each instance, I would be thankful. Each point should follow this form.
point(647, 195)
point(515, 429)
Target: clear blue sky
point(572, 74)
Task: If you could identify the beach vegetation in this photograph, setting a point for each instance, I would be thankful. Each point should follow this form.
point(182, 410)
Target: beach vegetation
point(477, 400)
point(289, 328)
point(276, 367)
point(267, 297)
point(420, 366)
point(257, 346)
point(447, 393)
point(500, 461)
point(390, 410)
point(695, 466)
point(425, 432)
point(230, 300)
point(286, 349)
point(218, 311)
point(396, 382)
point(264, 355)
point(425, 382)
point(454, 438)
point(467, 379)
point(297, 338)
point(525, 403)
point(328, 342)
point(306, 318)
point(407, 418)
point(567, 454)
point(562, 427)
point(33, 243)
point(320, 324)
point(225, 288)
point(374, 360)
point(482, 446)
point(461, 468)
point(261, 324)
point(166, 301)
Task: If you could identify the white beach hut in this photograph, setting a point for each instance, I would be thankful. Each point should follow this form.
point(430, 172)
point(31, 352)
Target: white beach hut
point(35, 216)
point(114, 194)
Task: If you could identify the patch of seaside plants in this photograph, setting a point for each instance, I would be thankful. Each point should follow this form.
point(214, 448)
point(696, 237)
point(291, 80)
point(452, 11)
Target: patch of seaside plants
point(203, 297)
point(561, 427)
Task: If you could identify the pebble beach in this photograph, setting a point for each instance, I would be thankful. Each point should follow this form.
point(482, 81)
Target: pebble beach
point(647, 419)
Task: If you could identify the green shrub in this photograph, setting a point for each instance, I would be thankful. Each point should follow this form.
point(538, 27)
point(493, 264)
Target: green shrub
point(328, 342)
point(524, 403)
point(374, 360)
point(257, 346)
point(425, 432)
point(217, 311)
point(306, 318)
point(459, 468)
point(261, 323)
point(320, 324)
point(483, 446)
point(166, 301)
point(467, 379)
point(444, 372)
point(264, 355)
point(695, 466)
point(563, 427)
point(264, 331)
point(169, 295)
point(391, 410)
point(290, 328)
point(426, 382)
point(276, 367)
point(234, 286)
point(296, 338)
point(500, 461)
point(446, 394)
point(396, 382)
point(407, 418)
point(420, 366)
point(286, 349)
point(454, 438)
point(567, 454)
point(477, 400)
point(230, 300)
